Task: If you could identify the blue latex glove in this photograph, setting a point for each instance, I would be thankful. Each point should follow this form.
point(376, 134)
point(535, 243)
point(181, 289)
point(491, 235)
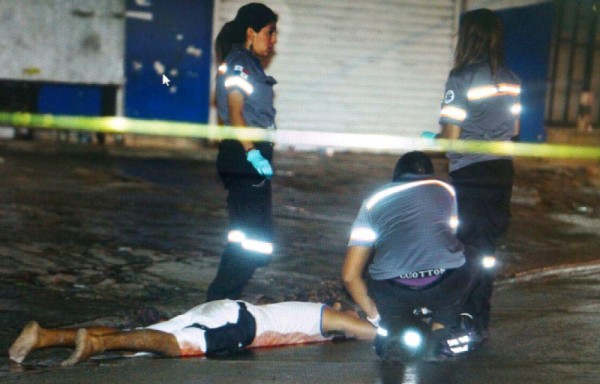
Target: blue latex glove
point(428, 135)
point(262, 165)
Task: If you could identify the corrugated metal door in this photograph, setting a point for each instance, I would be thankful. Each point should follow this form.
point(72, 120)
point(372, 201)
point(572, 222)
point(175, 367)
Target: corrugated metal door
point(358, 66)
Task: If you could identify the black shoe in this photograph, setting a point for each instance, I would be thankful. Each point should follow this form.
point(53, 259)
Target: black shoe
point(445, 345)
point(479, 337)
point(438, 353)
point(476, 333)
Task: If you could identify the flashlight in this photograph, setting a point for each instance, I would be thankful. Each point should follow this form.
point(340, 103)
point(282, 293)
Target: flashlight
point(488, 262)
point(412, 339)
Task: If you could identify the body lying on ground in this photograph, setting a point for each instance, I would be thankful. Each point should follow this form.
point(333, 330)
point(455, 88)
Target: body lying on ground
point(213, 328)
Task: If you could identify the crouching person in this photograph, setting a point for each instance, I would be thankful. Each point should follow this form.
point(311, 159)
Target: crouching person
point(213, 328)
point(408, 228)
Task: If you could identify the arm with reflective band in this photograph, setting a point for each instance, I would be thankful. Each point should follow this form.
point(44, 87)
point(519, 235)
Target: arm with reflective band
point(453, 113)
point(362, 233)
point(238, 87)
point(237, 76)
point(236, 82)
point(454, 105)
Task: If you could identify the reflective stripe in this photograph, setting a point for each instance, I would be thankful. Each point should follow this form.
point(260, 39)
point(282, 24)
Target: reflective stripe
point(454, 113)
point(511, 89)
point(488, 91)
point(460, 344)
point(363, 234)
point(382, 332)
point(454, 222)
point(399, 188)
point(258, 246)
point(464, 348)
point(516, 109)
point(482, 92)
point(236, 81)
point(235, 236)
point(464, 339)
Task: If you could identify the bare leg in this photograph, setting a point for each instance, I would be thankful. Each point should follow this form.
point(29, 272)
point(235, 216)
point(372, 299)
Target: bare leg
point(351, 325)
point(88, 344)
point(34, 337)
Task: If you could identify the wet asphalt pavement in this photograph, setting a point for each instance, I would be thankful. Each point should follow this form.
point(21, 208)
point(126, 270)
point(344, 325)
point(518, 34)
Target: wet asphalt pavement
point(545, 330)
point(124, 237)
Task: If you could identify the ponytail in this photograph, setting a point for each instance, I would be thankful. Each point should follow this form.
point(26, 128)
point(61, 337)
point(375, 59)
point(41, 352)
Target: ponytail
point(230, 34)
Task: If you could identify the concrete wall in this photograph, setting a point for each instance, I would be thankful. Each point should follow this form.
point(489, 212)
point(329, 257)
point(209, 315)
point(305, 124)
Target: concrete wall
point(71, 41)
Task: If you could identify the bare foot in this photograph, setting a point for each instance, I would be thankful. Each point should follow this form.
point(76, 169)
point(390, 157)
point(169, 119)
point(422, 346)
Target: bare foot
point(85, 347)
point(25, 343)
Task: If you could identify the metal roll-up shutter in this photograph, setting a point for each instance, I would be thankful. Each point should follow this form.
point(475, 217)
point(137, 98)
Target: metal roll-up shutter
point(358, 66)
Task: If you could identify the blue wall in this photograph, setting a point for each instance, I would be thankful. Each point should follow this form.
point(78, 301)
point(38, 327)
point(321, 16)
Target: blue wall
point(528, 36)
point(176, 25)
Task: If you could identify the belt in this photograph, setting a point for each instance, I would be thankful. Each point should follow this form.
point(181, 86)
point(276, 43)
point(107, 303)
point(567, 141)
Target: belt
point(421, 274)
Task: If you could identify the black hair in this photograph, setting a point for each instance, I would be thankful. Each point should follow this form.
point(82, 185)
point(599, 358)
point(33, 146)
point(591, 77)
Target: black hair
point(416, 163)
point(253, 15)
point(480, 37)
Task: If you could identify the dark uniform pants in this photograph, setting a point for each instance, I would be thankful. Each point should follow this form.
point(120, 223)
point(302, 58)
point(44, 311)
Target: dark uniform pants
point(445, 297)
point(249, 205)
point(483, 193)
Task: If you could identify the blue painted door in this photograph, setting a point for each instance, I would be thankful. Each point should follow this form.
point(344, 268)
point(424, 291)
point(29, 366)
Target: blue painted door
point(174, 36)
point(528, 36)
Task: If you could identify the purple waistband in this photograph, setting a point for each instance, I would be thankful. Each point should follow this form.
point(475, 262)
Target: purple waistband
point(417, 282)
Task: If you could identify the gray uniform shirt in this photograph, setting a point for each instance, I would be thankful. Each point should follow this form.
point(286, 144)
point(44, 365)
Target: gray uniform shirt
point(485, 107)
point(242, 71)
point(411, 225)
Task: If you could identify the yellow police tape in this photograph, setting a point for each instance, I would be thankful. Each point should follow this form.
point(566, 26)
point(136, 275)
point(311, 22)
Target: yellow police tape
point(122, 125)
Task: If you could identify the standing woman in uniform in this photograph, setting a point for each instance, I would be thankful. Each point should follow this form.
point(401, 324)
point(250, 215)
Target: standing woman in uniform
point(481, 103)
point(244, 95)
